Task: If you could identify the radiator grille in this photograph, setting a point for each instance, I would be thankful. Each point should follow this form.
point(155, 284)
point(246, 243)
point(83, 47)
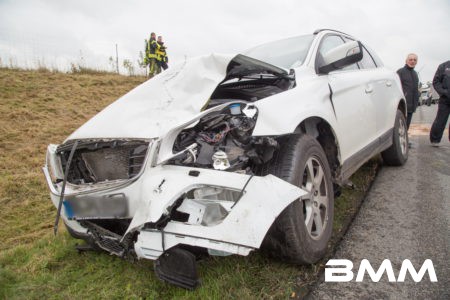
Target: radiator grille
point(105, 161)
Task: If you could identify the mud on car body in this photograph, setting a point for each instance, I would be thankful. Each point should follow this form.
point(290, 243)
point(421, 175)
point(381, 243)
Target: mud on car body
point(228, 154)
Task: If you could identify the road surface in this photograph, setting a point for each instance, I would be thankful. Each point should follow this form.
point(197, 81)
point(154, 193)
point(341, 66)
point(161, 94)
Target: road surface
point(406, 215)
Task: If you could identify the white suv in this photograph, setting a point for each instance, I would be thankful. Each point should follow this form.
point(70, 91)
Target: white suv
point(228, 154)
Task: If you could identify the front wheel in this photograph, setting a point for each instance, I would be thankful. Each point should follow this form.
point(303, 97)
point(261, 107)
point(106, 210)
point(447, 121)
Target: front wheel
point(301, 232)
point(397, 153)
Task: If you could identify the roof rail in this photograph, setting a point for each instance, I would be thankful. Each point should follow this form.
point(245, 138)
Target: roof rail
point(323, 29)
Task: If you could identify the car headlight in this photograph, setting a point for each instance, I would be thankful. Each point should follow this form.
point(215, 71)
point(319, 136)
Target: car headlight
point(53, 164)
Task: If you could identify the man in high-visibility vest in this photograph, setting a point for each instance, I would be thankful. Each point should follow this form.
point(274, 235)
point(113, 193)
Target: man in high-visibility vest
point(152, 47)
point(162, 54)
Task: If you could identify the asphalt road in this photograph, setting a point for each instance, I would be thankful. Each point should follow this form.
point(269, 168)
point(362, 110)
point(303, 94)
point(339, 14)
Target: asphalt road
point(406, 215)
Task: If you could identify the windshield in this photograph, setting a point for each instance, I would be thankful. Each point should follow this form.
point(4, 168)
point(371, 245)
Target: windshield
point(288, 53)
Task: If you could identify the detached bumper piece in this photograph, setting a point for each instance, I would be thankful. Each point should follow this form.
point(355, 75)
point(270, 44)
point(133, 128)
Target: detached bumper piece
point(177, 266)
point(105, 239)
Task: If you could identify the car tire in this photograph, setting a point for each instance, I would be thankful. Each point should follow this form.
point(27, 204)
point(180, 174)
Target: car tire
point(397, 153)
point(301, 232)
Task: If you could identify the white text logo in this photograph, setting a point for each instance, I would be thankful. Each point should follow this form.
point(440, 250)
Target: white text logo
point(340, 270)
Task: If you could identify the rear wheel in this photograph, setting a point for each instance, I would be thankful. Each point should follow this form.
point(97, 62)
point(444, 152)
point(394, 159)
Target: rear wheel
point(301, 232)
point(397, 153)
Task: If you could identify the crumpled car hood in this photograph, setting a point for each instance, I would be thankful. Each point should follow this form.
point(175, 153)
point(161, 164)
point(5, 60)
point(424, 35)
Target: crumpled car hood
point(173, 97)
point(158, 104)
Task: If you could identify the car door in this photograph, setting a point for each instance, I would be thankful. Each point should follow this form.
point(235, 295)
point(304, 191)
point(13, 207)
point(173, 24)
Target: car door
point(380, 93)
point(354, 110)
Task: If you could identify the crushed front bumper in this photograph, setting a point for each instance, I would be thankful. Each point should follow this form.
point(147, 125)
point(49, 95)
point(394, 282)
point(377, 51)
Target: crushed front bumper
point(159, 190)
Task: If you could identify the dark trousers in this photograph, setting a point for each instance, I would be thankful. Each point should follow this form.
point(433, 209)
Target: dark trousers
point(163, 65)
point(437, 130)
point(408, 119)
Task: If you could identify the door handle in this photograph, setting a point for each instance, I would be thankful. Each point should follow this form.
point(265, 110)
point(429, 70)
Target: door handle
point(369, 89)
point(388, 83)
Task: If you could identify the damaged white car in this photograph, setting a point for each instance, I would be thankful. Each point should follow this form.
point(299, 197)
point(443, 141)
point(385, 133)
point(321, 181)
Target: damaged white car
point(228, 154)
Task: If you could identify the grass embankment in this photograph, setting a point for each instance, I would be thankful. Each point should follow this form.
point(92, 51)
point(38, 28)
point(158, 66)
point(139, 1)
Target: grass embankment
point(38, 108)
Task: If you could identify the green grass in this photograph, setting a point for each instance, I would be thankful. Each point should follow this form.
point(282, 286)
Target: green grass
point(38, 108)
point(51, 267)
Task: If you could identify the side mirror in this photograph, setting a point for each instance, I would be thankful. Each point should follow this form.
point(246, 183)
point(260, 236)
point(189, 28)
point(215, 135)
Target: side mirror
point(341, 56)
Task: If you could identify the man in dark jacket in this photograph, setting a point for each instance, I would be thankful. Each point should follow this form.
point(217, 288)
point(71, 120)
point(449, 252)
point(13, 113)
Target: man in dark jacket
point(441, 83)
point(410, 85)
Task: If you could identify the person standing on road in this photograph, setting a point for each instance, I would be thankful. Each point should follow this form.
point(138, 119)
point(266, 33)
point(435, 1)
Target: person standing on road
point(410, 85)
point(441, 83)
point(162, 54)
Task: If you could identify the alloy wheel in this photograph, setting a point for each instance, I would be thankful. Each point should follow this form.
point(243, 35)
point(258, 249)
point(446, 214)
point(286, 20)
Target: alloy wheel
point(316, 202)
point(403, 136)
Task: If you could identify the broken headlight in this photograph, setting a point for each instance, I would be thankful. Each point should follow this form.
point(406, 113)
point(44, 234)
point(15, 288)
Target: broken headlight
point(53, 164)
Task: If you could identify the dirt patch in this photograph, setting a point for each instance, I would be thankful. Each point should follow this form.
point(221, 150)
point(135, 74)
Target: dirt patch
point(419, 129)
point(422, 129)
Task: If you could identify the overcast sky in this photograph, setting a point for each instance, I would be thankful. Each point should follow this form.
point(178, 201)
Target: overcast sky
point(55, 32)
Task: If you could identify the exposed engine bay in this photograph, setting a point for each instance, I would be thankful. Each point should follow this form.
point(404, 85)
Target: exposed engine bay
point(250, 88)
point(223, 141)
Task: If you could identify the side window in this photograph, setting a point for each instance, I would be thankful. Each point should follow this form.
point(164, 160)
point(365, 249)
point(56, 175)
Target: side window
point(367, 60)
